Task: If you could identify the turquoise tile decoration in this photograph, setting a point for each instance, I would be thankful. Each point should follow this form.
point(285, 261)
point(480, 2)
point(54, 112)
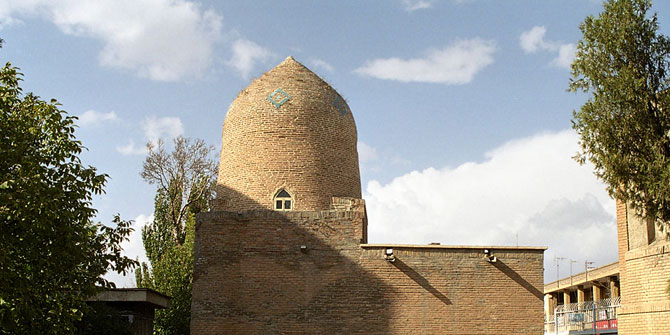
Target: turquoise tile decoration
point(278, 97)
point(340, 105)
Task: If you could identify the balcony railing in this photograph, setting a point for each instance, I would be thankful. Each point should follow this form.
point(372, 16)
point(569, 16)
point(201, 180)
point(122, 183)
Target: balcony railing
point(598, 316)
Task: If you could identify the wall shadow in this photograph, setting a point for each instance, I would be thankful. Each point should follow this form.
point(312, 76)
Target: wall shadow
point(269, 272)
point(518, 278)
point(422, 281)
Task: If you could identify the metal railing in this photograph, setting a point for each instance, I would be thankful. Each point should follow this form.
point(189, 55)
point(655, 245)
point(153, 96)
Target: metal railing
point(597, 316)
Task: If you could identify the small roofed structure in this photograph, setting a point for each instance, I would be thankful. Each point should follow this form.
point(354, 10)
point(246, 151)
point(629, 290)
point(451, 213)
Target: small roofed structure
point(136, 305)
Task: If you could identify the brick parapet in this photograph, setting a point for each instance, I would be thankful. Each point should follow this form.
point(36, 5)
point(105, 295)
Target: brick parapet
point(251, 277)
point(454, 290)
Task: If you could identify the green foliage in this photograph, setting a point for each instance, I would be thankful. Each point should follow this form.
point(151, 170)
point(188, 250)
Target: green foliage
point(185, 182)
point(171, 269)
point(172, 274)
point(622, 63)
point(102, 320)
point(52, 256)
point(157, 237)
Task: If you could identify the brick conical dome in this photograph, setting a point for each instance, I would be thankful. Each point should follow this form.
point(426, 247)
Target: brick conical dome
point(288, 130)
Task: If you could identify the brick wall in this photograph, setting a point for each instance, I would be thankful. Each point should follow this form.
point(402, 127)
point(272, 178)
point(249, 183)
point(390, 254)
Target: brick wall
point(307, 145)
point(309, 271)
point(622, 230)
point(645, 307)
point(453, 290)
point(252, 277)
point(644, 272)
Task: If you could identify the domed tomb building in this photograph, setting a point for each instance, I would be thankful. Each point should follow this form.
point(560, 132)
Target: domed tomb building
point(288, 131)
point(284, 248)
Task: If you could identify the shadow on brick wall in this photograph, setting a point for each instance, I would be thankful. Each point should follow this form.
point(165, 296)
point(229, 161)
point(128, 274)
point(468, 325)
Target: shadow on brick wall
point(519, 279)
point(422, 281)
point(269, 272)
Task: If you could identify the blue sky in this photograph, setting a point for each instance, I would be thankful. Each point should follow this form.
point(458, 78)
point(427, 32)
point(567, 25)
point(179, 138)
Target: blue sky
point(461, 105)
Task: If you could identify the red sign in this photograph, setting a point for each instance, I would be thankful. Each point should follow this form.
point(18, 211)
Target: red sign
point(604, 324)
point(607, 324)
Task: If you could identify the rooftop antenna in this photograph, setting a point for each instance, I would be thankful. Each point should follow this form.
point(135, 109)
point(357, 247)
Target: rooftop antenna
point(571, 262)
point(557, 261)
point(588, 266)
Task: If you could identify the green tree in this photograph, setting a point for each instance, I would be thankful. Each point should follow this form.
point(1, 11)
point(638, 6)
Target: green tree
point(185, 179)
point(101, 319)
point(52, 255)
point(622, 64)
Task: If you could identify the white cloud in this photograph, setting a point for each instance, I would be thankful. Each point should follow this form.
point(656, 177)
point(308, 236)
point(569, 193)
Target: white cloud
point(366, 153)
point(131, 149)
point(412, 5)
point(533, 40)
point(376, 163)
point(134, 249)
point(454, 64)
point(91, 118)
point(322, 64)
point(530, 188)
point(566, 54)
point(245, 56)
point(10, 9)
point(156, 128)
point(165, 40)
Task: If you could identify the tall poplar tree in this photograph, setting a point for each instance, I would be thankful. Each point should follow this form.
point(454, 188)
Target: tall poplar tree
point(622, 63)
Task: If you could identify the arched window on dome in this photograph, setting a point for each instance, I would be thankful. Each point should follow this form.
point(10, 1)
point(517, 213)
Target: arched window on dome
point(283, 201)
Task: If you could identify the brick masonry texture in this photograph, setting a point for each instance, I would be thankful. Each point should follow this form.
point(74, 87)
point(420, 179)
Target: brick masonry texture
point(252, 277)
point(645, 305)
point(306, 145)
point(310, 271)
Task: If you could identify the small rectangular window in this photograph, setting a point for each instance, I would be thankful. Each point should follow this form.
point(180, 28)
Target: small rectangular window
point(287, 204)
point(278, 204)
